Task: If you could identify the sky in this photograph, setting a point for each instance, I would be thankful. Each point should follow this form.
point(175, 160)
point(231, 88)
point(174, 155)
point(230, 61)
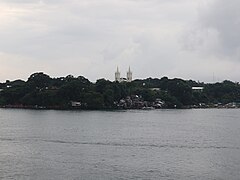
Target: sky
point(189, 39)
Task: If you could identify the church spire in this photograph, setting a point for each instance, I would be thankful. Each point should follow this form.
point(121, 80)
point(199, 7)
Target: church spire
point(129, 75)
point(129, 70)
point(117, 75)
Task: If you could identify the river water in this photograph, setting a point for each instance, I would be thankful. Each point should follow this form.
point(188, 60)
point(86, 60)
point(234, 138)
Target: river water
point(158, 144)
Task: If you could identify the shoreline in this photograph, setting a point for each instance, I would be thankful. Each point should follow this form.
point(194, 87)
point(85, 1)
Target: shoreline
point(108, 109)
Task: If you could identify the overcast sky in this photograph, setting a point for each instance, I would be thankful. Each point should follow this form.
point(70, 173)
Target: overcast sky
point(190, 39)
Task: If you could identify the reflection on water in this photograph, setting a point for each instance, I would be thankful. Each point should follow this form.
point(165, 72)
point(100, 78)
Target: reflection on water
point(159, 144)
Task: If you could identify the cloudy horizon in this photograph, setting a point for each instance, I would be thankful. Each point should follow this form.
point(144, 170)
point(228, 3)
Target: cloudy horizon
point(187, 39)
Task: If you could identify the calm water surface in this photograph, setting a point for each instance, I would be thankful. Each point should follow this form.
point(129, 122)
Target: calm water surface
point(160, 144)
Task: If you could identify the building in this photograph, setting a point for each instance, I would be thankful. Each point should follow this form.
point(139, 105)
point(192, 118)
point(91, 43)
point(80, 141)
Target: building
point(129, 75)
point(198, 89)
point(76, 104)
point(118, 77)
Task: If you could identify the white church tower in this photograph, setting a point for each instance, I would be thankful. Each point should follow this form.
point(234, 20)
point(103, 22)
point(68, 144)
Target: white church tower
point(129, 75)
point(117, 75)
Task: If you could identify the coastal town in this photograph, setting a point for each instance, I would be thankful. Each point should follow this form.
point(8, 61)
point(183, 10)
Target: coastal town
point(41, 91)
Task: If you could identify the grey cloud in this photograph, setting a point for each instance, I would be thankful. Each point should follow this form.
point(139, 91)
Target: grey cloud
point(217, 30)
point(92, 37)
point(76, 24)
point(224, 17)
point(19, 1)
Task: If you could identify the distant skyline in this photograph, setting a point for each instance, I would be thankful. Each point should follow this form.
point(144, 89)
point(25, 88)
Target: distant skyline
point(187, 39)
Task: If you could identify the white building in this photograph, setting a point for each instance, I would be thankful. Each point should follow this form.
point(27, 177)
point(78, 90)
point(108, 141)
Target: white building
point(76, 104)
point(198, 89)
point(117, 75)
point(122, 79)
point(129, 75)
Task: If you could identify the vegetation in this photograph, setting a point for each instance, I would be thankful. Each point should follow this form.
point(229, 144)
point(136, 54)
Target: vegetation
point(42, 91)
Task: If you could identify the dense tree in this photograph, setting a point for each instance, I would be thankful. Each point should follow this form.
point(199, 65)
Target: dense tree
point(42, 90)
point(39, 80)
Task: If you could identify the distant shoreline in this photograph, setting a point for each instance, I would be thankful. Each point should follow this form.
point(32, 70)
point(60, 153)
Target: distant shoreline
point(41, 91)
point(79, 109)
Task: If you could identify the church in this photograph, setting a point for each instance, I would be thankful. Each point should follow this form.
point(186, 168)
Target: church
point(118, 77)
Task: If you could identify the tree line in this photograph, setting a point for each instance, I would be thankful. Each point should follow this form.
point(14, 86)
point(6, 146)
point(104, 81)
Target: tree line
point(40, 90)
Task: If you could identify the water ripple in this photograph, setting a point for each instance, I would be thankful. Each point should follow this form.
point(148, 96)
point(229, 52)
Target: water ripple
point(180, 146)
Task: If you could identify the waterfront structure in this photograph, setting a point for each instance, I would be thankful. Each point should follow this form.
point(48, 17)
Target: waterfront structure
point(118, 77)
point(76, 104)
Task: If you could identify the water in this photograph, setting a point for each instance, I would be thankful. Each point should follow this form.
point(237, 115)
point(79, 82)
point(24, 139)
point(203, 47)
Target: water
point(161, 144)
